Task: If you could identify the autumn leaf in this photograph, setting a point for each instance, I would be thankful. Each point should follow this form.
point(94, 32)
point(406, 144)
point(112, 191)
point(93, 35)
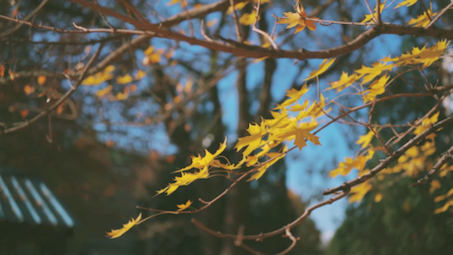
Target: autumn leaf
point(359, 191)
point(322, 68)
point(247, 19)
point(152, 56)
point(182, 207)
point(424, 19)
point(2, 71)
point(344, 82)
point(426, 123)
point(101, 93)
point(378, 197)
point(29, 89)
point(406, 3)
point(212, 22)
point(183, 3)
point(370, 17)
point(364, 140)
point(115, 233)
point(260, 171)
point(24, 113)
point(124, 79)
point(41, 79)
point(299, 20)
point(350, 163)
point(435, 184)
point(375, 89)
point(294, 96)
point(140, 74)
point(99, 77)
point(444, 208)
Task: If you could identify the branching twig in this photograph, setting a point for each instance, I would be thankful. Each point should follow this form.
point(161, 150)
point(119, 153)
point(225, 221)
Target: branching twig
point(446, 157)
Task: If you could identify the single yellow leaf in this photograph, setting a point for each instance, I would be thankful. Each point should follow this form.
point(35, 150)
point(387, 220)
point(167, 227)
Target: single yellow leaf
point(406, 3)
point(322, 68)
point(247, 19)
point(378, 197)
point(434, 185)
point(101, 93)
point(424, 19)
point(183, 3)
point(359, 191)
point(365, 139)
point(182, 207)
point(140, 74)
point(124, 79)
point(115, 233)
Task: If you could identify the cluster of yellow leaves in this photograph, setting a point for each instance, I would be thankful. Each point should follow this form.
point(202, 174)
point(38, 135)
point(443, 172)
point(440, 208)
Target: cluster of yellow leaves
point(447, 204)
point(358, 163)
point(100, 77)
point(152, 56)
point(201, 164)
point(426, 123)
point(123, 80)
point(288, 124)
point(299, 19)
point(425, 56)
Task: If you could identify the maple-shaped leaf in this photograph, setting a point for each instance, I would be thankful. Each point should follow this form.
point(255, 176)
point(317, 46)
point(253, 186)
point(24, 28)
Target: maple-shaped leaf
point(252, 141)
point(274, 158)
point(183, 207)
point(200, 162)
point(322, 68)
point(424, 19)
point(369, 73)
point(345, 81)
point(299, 20)
point(115, 233)
point(376, 88)
point(364, 140)
point(359, 191)
point(293, 96)
point(370, 17)
point(406, 3)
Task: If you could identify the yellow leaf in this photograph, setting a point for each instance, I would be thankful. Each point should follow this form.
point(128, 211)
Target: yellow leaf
point(29, 89)
point(115, 233)
point(322, 68)
point(140, 74)
point(41, 79)
point(369, 73)
point(257, 60)
point(124, 79)
point(247, 19)
point(206, 161)
point(152, 56)
point(182, 207)
point(406, 3)
point(445, 207)
point(359, 191)
point(298, 20)
point(99, 77)
point(434, 185)
point(365, 139)
point(424, 19)
point(440, 198)
point(375, 89)
point(212, 22)
point(266, 166)
point(183, 3)
point(344, 82)
point(378, 197)
point(252, 141)
point(101, 93)
point(122, 95)
point(370, 17)
point(13, 75)
point(294, 95)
